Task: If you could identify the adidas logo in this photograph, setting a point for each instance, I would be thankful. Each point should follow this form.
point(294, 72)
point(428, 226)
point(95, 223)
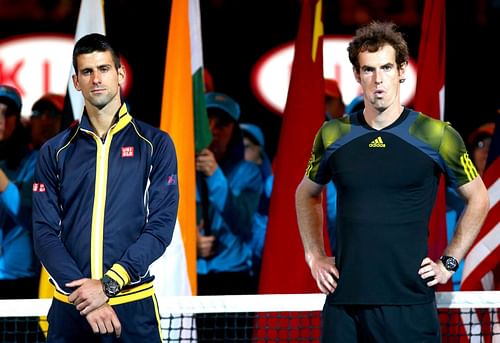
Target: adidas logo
point(377, 143)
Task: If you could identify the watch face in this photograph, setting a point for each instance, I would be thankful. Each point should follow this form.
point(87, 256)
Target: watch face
point(450, 263)
point(111, 287)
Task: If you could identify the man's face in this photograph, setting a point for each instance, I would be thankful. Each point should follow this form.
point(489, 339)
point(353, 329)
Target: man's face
point(222, 131)
point(7, 122)
point(380, 77)
point(97, 78)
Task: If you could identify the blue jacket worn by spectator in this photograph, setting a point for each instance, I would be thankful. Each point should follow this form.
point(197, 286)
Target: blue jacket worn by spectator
point(253, 139)
point(228, 203)
point(18, 272)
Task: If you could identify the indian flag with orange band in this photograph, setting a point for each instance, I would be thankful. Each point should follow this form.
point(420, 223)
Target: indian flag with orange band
point(184, 114)
point(183, 109)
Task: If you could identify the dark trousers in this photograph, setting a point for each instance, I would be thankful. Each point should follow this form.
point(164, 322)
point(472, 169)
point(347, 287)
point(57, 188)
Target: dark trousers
point(380, 324)
point(225, 327)
point(137, 318)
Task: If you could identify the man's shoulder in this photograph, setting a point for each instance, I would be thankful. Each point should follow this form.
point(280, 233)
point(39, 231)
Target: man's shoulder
point(150, 132)
point(428, 121)
point(425, 126)
point(61, 139)
point(434, 131)
point(334, 129)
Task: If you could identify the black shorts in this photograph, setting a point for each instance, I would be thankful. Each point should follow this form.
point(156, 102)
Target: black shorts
point(391, 324)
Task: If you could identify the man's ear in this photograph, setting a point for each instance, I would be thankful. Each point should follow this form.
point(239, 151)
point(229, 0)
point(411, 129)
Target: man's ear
point(402, 72)
point(121, 74)
point(75, 82)
point(356, 75)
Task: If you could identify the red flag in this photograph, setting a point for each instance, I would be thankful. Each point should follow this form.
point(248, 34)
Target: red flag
point(484, 256)
point(429, 99)
point(283, 266)
point(284, 269)
point(482, 262)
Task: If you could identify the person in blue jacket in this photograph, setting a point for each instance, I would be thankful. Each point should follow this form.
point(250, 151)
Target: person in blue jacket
point(228, 192)
point(105, 199)
point(253, 140)
point(17, 262)
point(18, 265)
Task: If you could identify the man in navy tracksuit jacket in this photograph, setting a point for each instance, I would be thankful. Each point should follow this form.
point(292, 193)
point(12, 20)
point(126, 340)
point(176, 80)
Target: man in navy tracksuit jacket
point(105, 200)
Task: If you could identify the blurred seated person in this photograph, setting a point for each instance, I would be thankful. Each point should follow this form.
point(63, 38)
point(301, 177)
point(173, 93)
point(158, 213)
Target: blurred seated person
point(253, 140)
point(228, 192)
point(334, 108)
point(233, 188)
point(19, 267)
point(18, 277)
point(45, 119)
point(334, 104)
point(479, 142)
point(45, 123)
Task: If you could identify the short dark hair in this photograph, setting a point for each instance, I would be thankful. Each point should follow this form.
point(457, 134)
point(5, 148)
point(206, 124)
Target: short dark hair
point(95, 42)
point(374, 36)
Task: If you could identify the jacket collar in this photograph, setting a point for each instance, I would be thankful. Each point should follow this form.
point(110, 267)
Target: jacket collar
point(122, 118)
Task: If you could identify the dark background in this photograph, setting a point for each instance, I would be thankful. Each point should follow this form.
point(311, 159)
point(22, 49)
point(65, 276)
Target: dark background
point(236, 33)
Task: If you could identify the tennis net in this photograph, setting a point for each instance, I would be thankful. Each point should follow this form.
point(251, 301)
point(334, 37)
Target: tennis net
point(464, 317)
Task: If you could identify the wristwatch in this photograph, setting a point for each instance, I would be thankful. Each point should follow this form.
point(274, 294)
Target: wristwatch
point(450, 263)
point(110, 286)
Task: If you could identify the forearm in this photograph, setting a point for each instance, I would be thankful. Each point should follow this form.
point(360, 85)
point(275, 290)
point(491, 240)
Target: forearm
point(470, 223)
point(61, 267)
point(310, 220)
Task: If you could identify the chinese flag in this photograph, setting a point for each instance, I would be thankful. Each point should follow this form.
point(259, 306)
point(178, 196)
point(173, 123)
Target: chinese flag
point(429, 99)
point(284, 269)
point(283, 266)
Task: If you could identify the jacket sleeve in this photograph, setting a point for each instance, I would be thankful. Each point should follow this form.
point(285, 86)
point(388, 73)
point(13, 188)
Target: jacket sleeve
point(237, 199)
point(24, 185)
point(163, 202)
point(11, 199)
point(50, 249)
point(17, 196)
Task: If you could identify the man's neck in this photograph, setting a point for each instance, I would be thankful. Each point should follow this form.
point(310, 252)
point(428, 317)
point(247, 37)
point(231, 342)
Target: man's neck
point(102, 119)
point(382, 119)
